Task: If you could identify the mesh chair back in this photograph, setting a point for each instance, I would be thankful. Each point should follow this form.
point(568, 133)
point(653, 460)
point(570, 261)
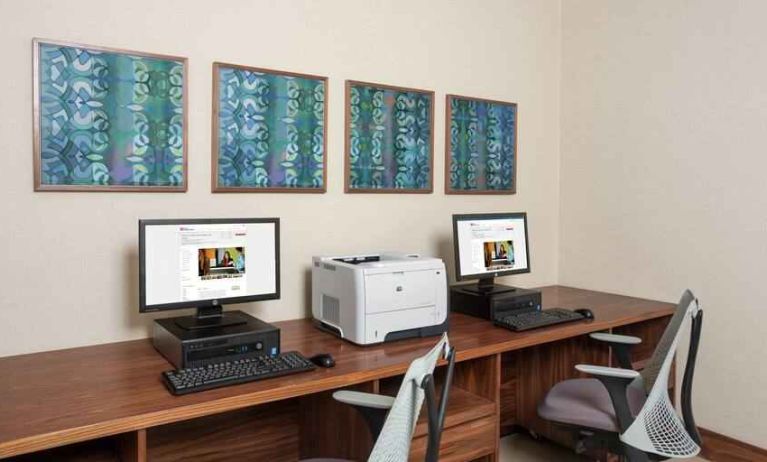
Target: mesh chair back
point(657, 428)
point(652, 370)
point(393, 444)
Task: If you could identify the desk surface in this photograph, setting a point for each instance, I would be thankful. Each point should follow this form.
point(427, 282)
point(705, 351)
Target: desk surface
point(65, 396)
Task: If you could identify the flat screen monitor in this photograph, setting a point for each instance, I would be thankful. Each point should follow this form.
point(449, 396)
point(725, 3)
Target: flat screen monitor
point(205, 263)
point(488, 245)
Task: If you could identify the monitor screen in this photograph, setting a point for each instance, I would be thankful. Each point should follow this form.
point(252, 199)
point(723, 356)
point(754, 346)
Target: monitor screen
point(196, 263)
point(489, 245)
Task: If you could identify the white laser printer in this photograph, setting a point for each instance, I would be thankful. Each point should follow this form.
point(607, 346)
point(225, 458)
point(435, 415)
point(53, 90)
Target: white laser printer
point(380, 297)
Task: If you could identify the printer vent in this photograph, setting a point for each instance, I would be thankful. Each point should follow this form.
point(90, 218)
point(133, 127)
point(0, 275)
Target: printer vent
point(331, 309)
point(328, 267)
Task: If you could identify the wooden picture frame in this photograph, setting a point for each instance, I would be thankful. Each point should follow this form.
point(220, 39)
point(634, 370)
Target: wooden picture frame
point(216, 151)
point(449, 188)
point(84, 51)
point(348, 187)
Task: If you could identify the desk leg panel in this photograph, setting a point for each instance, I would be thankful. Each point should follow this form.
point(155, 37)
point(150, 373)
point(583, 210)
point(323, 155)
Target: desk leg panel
point(508, 392)
point(482, 377)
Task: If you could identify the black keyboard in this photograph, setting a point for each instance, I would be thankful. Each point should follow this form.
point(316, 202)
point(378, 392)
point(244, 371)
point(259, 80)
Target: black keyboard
point(533, 319)
point(184, 381)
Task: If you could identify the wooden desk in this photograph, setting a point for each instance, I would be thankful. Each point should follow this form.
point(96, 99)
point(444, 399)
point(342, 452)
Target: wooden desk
point(107, 402)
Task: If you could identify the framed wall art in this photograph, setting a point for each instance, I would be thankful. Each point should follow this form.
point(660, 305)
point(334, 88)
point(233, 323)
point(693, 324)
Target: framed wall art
point(108, 119)
point(269, 130)
point(389, 139)
point(480, 146)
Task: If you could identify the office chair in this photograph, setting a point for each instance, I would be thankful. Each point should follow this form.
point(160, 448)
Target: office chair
point(627, 411)
point(392, 420)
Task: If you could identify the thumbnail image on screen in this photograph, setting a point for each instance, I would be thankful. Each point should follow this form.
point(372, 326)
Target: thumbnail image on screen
point(499, 255)
point(221, 263)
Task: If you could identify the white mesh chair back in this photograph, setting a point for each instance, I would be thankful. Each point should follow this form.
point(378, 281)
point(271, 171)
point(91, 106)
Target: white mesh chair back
point(393, 444)
point(657, 428)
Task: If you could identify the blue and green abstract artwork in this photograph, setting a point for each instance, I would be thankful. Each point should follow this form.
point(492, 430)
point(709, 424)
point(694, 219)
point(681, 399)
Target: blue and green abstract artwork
point(482, 146)
point(271, 130)
point(109, 119)
point(390, 142)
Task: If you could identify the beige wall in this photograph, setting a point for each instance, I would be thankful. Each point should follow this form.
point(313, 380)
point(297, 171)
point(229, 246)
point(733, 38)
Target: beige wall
point(69, 269)
point(664, 153)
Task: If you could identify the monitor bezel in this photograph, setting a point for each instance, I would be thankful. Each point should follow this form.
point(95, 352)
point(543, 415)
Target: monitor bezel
point(487, 216)
point(143, 223)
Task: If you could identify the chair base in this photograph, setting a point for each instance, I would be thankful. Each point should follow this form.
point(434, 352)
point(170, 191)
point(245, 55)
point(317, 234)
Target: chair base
point(595, 439)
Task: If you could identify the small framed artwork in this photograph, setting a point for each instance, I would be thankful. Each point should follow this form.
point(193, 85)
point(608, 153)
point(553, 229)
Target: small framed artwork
point(480, 146)
point(269, 130)
point(107, 119)
point(389, 139)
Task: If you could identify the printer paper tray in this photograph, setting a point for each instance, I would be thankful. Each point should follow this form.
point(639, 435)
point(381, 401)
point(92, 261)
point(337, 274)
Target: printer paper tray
point(377, 325)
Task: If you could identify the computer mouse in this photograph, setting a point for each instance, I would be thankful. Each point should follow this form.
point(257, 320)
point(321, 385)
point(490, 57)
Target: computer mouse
point(585, 312)
point(323, 360)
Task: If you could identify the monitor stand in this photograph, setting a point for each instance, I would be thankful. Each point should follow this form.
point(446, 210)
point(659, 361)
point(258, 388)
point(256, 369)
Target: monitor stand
point(209, 317)
point(487, 286)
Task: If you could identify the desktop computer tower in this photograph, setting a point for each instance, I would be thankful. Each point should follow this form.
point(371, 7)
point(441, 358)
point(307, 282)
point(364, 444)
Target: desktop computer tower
point(194, 348)
point(466, 299)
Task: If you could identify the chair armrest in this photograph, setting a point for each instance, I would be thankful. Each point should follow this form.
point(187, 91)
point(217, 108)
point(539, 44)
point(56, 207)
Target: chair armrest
point(372, 407)
point(615, 338)
point(602, 371)
point(620, 344)
point(368, 400)
point(616, 381)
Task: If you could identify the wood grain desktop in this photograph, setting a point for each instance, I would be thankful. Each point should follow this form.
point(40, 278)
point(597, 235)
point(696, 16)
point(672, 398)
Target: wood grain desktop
point(112, 397)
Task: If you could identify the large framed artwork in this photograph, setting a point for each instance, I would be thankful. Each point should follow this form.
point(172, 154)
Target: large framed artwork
point(269, 130)
point(108, 119)
point(389, 139)
point(480, 146)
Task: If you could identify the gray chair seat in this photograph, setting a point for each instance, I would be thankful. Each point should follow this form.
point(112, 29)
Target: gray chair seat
point(586, 403)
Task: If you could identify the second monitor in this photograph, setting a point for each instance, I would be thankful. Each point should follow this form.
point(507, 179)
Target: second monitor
point(488, 245)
